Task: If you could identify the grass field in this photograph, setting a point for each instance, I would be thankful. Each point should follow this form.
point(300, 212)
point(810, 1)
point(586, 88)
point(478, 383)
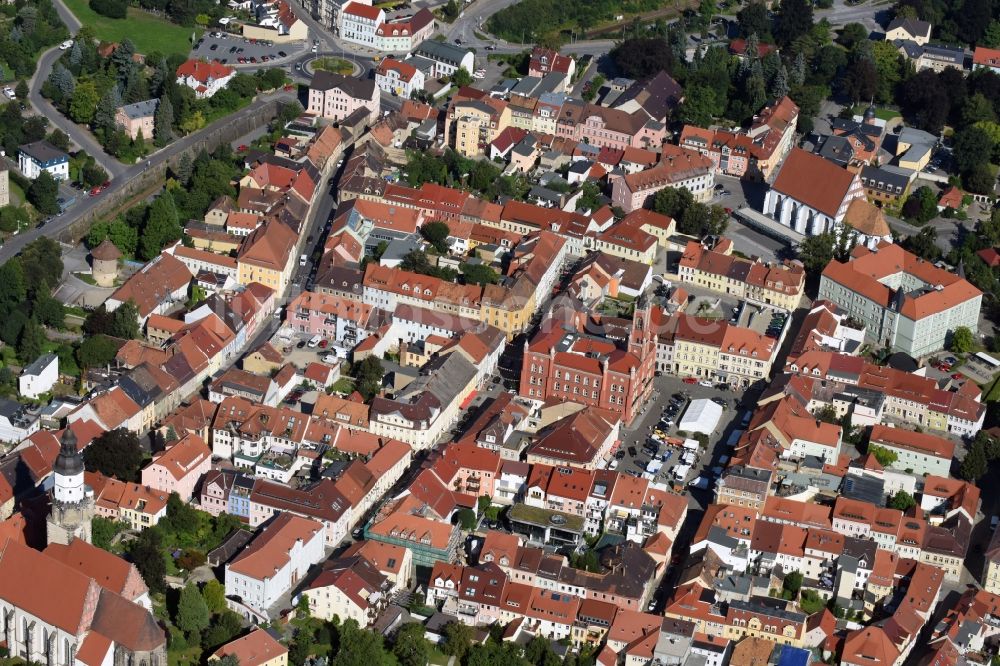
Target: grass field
point(149, 33)
point(880, 113)
point(335, 65)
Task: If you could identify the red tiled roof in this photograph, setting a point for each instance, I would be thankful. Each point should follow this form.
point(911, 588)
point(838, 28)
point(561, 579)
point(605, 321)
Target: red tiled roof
point(800, 173)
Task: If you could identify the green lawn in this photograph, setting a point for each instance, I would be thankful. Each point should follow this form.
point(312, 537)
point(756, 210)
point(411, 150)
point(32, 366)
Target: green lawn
point(880, 113)
point(335, 65)
point(146, 31)
point(16, 194)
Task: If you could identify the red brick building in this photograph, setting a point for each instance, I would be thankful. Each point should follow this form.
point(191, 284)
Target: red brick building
point(565, 365)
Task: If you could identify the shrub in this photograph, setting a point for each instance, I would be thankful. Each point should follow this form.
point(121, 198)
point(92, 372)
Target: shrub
point(115, 9)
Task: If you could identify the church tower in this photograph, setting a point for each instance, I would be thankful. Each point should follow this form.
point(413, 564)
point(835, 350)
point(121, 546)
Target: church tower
point(72, 501)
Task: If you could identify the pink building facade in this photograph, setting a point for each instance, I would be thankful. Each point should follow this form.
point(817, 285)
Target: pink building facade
point(180, 467)
point(336, 97)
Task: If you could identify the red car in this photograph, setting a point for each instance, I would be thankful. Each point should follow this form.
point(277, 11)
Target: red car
point(690, 380)
point(729, 211)
point(94, 191)
point(322, 343)
point(242, 148)
point(957, 375)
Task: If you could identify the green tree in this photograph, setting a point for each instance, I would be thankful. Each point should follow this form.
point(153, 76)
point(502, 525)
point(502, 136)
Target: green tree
point(979, 179)
point(480, 274)
point(147, 554)
point(368, 376)
point(817, 251)
point(924, 244)
point(104, 530)
point(977, 109)
point(436, 233)
point(851, 35)
point(93, 174)
point(13, 289)
point(793, 583)
point(884, 456)
point(699, 106)
point(991, 37)
point(974, 465)
point(961, 341)
point(457, 639)
point(225, 626)
point(48, 311)
point(590, 197)
point(162, 226)
point(920, 206)
point(359, 646)
point(192, 612)
point(43, 193)
point(467, 519)
point(104, 114)
point(41, 261)
point(163, 122)
point(410, 647)
point(539, 652)
point(753, 19)
point(96, 351)
point(84, 102)
point(13, 218)
point(461, 77)
point(902, 500)
point(214, 594)
point(125, 321)
point(972, 147)
point(115, 453)
point(59, 139)
point(793, 19)
point(29, 343)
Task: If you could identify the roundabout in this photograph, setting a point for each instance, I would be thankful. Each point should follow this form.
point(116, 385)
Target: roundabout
point(338, 62)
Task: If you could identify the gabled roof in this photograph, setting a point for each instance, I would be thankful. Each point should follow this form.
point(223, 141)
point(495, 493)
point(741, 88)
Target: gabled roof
point(254, 649)
point(204, 72)
point(799, 175)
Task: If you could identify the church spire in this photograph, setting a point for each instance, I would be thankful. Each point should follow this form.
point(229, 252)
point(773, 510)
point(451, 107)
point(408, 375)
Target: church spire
point(69, 462)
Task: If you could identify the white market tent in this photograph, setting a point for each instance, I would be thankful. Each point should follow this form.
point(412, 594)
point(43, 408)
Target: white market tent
point(701, 416)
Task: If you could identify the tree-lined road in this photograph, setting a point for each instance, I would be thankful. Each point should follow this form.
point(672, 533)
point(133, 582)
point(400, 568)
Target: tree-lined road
point(57, 225)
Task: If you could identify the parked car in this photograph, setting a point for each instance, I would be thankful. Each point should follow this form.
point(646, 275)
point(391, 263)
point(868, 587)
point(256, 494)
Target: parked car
point(690, 380)
point(706, 383)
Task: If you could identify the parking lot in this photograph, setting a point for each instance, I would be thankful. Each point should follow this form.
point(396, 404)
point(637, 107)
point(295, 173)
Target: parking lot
point(229, 49)
point(638, 434)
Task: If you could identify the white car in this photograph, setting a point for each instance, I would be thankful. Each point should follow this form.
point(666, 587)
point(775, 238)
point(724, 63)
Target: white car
point(706, 383)
point(479, 74)
point(9, 92)
point(66, 45)
point(331, 359)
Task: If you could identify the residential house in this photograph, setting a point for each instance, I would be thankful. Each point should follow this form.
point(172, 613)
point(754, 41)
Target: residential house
point(257, 648)
point(398, 77)
point(908, 29)
point(137, 118)
point(179, 467)
point(273, 563)
point(204, 78)
point(39, 376)
point(335, 96)
point(34, 158)
point(678, 167)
